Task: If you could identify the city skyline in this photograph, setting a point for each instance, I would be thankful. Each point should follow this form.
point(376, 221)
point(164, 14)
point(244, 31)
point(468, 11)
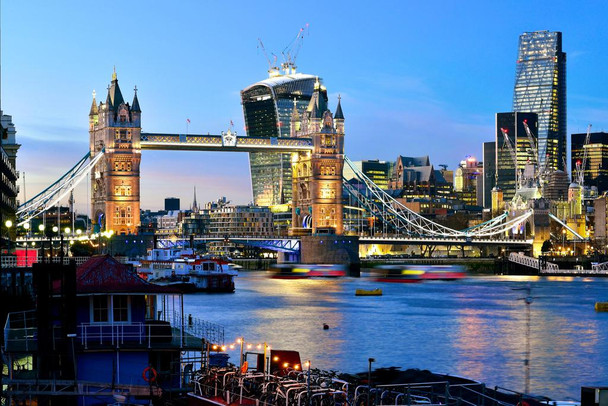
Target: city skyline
point(400, 81)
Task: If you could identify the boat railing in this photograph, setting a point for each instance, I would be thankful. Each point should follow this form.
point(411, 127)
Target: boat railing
point(148, 334)
point(194, 326)
point(20, 331)
point(12, 261)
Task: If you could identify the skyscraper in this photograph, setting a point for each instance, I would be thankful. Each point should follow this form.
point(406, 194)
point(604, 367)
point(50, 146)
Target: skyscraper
point(540, 87)
point(267, 107)
point(595, 172)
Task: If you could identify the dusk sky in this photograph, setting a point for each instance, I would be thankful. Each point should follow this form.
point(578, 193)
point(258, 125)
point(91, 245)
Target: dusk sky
point(416, 78)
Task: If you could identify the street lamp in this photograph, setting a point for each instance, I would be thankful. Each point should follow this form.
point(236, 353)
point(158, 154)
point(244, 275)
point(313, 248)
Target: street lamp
point(8, 225)
point(41, 229)
point(369, 378)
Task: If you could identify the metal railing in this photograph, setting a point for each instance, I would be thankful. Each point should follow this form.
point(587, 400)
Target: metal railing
point(9, 261)
point(522, 259)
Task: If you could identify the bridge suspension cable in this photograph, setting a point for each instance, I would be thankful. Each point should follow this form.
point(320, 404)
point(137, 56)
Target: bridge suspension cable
point(53, 194)
point(389, 210)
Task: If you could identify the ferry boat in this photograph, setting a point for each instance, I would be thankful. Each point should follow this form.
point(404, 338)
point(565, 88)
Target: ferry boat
point(184, 270)
point(302, 271)
point(418, 273)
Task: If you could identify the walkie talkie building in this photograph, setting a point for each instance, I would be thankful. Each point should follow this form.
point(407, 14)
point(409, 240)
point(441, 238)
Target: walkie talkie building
point(540, 87)
point(267, 107)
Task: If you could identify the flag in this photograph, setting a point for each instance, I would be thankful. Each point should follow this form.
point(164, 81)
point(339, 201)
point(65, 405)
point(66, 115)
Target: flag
point(231, 123)
point(188, 120)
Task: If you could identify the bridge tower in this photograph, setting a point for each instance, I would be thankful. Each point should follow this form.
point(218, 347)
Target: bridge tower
point(116, 127)
point(317, 176)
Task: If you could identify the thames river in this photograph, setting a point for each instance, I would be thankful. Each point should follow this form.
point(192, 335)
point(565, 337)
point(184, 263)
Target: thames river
point(474, 328)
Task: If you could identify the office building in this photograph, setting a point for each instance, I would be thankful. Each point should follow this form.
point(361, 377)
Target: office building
point(595, 172)
point(8, 180)
point(267, 109)
point(377, 171)
point(171, 204)
point(515, 158)
point(466, 181)
point(540, 87)
point(489, 173)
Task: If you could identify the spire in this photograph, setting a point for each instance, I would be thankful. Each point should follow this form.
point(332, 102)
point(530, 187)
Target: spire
point(93, 111)
point(135, 105)
point(194, 204)
point(339, 114)
point(109, 105)
point(114, 92)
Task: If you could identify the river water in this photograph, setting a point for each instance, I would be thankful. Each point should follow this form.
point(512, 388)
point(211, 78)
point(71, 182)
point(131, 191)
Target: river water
point(474, 327)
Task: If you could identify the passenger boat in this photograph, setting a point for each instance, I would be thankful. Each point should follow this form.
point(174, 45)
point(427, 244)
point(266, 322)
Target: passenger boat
point(368, 292)
point(418, 273)
point(301, 271)
point(188, 272)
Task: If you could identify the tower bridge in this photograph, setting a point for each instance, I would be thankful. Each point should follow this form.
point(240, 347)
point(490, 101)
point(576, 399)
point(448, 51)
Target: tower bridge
point(316, 144)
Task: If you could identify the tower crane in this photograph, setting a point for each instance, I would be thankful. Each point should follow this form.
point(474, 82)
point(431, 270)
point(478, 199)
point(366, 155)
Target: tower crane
point(580, 166)
point(273, 70)
point(539, 174)
point(290, 52)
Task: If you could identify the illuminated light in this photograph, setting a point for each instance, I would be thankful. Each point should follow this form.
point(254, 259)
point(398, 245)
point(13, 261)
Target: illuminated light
point(296, 366)
point(67, 230)
point(214, 347)
point(249, 346)
point(259, 346)
point(8, 224)
point(223, 348)
point(307, 364)
point(232, 346)
point(238, 340)
point(55, 229)
point(285, 365)
point(275, 358)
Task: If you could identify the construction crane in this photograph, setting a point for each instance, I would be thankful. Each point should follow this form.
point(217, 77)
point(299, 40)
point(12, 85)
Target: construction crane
point(539, 175)
point(290, 52)
point(511, 149)
point(580, 166)
point(273, 70)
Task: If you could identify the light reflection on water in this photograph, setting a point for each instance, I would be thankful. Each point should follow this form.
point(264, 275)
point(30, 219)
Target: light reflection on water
point(474, 328)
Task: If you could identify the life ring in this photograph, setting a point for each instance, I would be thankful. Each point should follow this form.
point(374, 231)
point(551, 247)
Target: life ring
point(244, 367)
point(149, 374)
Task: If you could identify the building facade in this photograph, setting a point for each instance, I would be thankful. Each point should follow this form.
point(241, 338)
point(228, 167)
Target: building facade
point(115, 127)
point(515, 158)
point(467, 180)
point(595, 172)
point(8, 165)
point(489, 173)
point(377, 171)
point(540, 87)
point(267, 109)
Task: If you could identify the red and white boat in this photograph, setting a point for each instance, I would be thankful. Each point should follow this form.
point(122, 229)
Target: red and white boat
point(183, 269)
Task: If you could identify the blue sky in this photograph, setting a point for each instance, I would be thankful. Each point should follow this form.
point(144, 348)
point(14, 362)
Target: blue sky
point(416, 78)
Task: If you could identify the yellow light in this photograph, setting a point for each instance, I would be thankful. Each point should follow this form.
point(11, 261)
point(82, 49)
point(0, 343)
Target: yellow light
point(26, 226)
point(285, 365)
point(238, 340)
point(41, 227)
point(223, 348)
point(8, 224)
point(67, 230)
point(275, 358)
point(259, 346)
point(232, 346)
point(307, 364)
point(249, 346)
point(55, 229)
point(214, 347)
point(79, 231)
point(296, 366)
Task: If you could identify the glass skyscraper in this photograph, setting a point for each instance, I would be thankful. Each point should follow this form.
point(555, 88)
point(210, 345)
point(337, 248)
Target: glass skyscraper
point(267, 107)
point(540, 87)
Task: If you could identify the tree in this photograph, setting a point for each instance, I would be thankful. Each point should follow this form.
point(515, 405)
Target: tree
point(547, 246)
point(82, 249)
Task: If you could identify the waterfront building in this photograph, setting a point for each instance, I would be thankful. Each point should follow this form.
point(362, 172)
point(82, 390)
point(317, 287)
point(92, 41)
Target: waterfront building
point(250, 221)
point(467, 178)
point(8, 170)
point(600, 223)
point(377, 171)
point(595, 172)
point(489, 172)
point(415, 177)
point(515, 158)
point(540, 87)
point(557, 186)
point(267, 109)
point(115, 127)
point(172, 203)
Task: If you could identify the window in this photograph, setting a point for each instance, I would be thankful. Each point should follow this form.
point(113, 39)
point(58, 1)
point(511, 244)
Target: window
point(100, 309)
point(120, 308)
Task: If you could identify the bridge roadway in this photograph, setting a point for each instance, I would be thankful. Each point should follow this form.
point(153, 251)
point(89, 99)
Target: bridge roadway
point(224, 142)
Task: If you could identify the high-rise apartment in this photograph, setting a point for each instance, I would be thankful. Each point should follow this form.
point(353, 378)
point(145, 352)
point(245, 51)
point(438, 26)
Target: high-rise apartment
point(540, 87)
point(268, 107)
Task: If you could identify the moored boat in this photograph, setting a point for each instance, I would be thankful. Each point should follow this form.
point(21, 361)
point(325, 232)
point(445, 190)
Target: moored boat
point(368, 292)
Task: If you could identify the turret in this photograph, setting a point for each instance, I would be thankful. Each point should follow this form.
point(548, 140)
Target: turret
point(295, 121)
point(93, 113)
point(339, 117)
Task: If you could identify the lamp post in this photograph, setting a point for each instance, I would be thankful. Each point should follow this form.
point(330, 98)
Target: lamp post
point(564, 238)
point(369, 378)
point(41, 229)
point(308, 382)
point(55, 230)
point(8, 225)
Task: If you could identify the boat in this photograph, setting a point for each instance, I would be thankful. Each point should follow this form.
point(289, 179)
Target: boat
point(601, 306)
point(368, 292)
point(187, 271)
point(302, 271)
point(418, 273)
